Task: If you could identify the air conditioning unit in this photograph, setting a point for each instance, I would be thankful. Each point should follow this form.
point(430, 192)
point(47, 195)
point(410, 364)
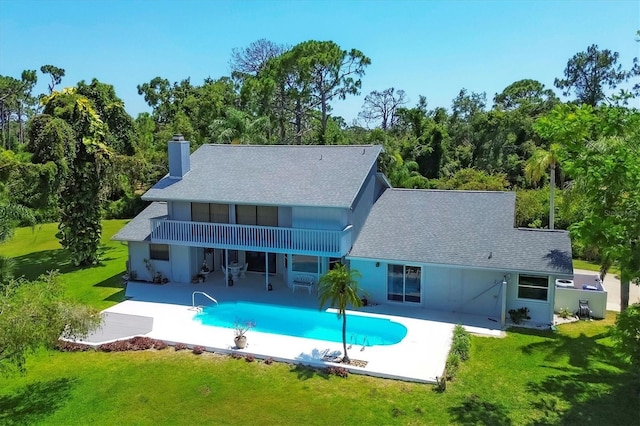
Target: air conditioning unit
point(565, 283)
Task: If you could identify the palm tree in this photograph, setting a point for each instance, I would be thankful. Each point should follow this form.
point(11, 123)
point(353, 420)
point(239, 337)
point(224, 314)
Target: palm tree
point(238, 127)
point(339, 287)
point(536, 168)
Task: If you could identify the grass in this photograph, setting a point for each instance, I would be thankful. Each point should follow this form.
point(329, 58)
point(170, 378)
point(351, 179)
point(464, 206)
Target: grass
point(572, 376)
point(36, 251)
point(593, 266)
point(569, 377)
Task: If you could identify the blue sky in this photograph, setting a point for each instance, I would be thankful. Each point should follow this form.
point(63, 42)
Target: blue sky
point(431, 48)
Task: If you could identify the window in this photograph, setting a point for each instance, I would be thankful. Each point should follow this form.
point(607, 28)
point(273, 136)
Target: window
point(533, 287)
point(214, 213)
point(301, 263)
point(159, 251)
point(257, 215)
point(403, 283)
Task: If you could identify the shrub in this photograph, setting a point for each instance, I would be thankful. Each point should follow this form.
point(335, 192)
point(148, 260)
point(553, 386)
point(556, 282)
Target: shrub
point(139, 343)
point(268, 361)
point(249, 358)
point(338, 371)
point(197, 349)
point(518, 315)
point(236, 355)
point(565, 313)
point(626, 333)
point(160, 345)
point(65, 346)
point(180, 347)
point(452, 365)
point(461, 343)
point(117, 346)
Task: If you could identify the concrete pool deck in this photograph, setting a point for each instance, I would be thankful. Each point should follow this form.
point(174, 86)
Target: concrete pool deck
point(167, 310)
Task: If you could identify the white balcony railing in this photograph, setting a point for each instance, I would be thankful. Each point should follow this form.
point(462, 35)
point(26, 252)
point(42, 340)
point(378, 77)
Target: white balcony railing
point(254, 238)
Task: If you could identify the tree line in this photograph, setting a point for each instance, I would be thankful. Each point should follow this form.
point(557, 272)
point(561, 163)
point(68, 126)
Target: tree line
point(76, 156)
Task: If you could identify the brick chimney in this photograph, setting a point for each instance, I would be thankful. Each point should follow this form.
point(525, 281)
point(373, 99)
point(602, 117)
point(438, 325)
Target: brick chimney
point(179, 164)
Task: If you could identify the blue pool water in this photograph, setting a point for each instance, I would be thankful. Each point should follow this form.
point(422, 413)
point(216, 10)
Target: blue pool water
point(309, 323)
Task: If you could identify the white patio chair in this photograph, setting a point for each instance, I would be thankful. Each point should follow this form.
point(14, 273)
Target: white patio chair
point(243, 271)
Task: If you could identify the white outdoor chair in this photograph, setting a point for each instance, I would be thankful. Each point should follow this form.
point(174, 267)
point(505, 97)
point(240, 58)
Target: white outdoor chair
point(243, 271)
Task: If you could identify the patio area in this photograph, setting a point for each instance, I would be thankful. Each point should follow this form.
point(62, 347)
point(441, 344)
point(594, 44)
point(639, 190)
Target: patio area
point(168, 310)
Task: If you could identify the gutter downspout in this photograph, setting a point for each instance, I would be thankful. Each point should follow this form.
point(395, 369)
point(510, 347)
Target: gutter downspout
point(503, 310)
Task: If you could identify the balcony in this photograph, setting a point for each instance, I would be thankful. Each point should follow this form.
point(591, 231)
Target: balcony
point(252, 238)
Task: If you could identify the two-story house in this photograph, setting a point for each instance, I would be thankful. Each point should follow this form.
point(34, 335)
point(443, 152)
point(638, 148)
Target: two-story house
point(273, 209)
point(285, 210)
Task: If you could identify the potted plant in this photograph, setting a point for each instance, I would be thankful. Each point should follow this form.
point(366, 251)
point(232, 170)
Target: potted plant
point(240, 330)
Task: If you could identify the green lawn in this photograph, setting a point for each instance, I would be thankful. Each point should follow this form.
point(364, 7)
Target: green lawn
point(572, 376)
point(591, 266)
point(36, 251)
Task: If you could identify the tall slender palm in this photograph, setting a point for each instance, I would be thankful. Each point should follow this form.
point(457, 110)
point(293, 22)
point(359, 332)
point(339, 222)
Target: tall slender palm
point(536, 168)
point(339, 287)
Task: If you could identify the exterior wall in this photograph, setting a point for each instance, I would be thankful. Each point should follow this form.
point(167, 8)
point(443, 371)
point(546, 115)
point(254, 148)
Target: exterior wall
point(568, 298)
point(284, 217)
point(540, 311)
point(373, 282)
point(138, 251)
point(462, 290)
point(446, 289)
point(179, 210)
point(181, 266)
point(363, 204)
point(319, 218)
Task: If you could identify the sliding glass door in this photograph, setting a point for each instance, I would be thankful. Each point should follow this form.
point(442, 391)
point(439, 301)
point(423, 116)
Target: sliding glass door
point(403, 283)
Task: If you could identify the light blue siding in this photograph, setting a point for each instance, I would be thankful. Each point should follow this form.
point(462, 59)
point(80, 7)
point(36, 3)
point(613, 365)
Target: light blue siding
point(325, 218)
point(179, 210)
point(138, 251)
point(181, 265)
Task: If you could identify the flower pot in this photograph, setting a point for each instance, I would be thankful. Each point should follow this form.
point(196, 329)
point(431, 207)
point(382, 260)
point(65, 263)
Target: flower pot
point(241, 342)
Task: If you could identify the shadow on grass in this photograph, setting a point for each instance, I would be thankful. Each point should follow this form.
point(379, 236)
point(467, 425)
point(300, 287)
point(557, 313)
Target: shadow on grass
point(34, 402)
point(595, 396)
point(594, 388)
point(475, 411)
point(305, 373)
point(114, 281)
point(32, 265)
point(116, 297)
point(580, 350)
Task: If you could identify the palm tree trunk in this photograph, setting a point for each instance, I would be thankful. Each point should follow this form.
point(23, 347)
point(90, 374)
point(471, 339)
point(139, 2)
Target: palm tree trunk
point(345, 358)
point(552, 187)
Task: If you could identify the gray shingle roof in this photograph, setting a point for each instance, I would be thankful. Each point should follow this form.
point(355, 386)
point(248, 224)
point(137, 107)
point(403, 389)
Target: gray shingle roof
point(327, 176)
point(463, 228)
point(139, 228)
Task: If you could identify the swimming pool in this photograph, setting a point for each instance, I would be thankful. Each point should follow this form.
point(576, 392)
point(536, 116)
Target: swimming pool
point(309, 323)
